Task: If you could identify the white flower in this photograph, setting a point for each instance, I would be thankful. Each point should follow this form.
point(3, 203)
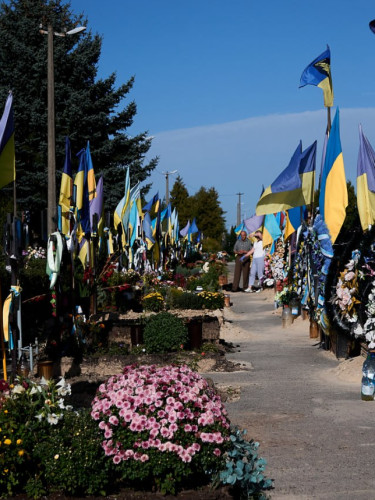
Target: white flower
point(35, 389)
point(52, 419)
point(18, 389)
point(39, 416)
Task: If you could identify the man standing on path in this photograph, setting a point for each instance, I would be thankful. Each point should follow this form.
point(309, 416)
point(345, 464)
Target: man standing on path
point(241, 248)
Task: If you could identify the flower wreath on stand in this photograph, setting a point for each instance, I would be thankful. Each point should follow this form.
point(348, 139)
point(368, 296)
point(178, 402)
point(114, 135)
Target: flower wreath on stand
point(345, 298)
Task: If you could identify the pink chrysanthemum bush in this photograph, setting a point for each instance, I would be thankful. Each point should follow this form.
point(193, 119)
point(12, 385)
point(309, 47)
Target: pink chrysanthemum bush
point(162, 425)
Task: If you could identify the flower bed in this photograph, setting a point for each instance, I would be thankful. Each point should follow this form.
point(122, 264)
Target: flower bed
point(149, 429)
point(161, 425)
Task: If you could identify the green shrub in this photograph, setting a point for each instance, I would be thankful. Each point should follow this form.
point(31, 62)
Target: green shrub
point(29, 411)
point(72, 459)
point(178, 299)
point(164, 332)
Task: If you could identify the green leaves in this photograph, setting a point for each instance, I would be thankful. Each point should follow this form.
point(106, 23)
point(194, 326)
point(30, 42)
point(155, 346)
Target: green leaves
point(244, 470)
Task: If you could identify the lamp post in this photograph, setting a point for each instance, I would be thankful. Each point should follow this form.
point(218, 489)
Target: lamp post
point(167, 174)
point(51, 168)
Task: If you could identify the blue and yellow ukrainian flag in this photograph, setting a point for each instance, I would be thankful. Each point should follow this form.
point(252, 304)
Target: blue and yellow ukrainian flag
point(66, 191)
point(147, 231)
point(154, 201)
point(318, 73)
point(293, 220)
point(294, 187)
point(271, 230)
point(333, 198)
point(365, 182)
point(123, 203)
point(7, 150)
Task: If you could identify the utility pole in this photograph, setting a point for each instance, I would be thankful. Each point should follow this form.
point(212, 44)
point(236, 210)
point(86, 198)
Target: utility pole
point(51, 168)
point(167, 174)
point(52, 208)
point(239, 208)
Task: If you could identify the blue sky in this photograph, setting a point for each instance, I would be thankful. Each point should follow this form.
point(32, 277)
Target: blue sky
point(216, 84)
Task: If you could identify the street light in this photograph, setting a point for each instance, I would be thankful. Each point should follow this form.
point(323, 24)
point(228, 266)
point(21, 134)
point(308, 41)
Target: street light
point(51, 203)
point(167, 174)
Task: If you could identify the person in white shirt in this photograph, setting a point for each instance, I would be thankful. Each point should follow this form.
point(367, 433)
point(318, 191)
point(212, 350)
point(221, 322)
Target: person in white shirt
point(257, 266)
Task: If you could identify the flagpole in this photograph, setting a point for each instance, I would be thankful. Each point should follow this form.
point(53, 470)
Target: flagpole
point(328, 119)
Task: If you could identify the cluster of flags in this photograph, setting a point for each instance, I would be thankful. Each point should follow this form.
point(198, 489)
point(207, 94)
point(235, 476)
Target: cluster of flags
point(283, 203)
point(135, 226)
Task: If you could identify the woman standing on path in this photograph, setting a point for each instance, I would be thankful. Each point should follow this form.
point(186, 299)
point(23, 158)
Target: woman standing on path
point(257, 266)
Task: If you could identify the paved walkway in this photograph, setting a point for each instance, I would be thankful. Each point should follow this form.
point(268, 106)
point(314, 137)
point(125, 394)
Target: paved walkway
point(315, 432)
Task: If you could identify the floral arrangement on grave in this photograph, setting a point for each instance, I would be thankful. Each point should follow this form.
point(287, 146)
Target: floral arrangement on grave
point(153, 301)
point(368, 329)
point(32, 253)
point(163, 425)
point(212, 300)
point(268, 280)
point(285, 296)
point(346, 295)
point(278, 264)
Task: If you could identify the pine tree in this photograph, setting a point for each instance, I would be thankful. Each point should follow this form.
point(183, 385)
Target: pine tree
point(86, 108)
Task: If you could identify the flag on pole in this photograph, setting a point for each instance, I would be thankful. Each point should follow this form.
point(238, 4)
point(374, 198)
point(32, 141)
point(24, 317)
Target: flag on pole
point(253, 223)
point(96, 210)
point(271, 230)
point(7, 150)
point(184, 231)
point(123, 203)
point(365, 182)
point(154, 201)
point(293, 220)
point(294, 187)
point(66, 191)
point(333, 198)
point(147, 230)
point(318, 73)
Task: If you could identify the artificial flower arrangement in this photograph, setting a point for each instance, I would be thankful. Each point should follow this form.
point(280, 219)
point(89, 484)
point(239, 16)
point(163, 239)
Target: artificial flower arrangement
point(268, 280)
point(32, 253)
point(346, 295)
point(161, 424)
point(368, 329)
point(285, 296)
point(278, 265)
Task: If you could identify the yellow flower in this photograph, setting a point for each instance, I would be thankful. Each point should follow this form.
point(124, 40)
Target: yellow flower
point(5, 411)
point(7, 441)
point(21, 452)
point(6, 471)
point(19, 441)
point(56, 457)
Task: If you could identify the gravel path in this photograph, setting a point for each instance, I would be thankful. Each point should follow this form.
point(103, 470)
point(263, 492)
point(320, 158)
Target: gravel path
point(301, 403)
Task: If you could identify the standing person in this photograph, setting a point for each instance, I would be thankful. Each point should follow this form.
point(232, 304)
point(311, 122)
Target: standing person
point(240, 249)
point(257, 266)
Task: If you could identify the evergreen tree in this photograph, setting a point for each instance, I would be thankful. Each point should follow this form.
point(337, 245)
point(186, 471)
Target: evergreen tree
point(86, 108)
point(181, 201)
point(208, 212)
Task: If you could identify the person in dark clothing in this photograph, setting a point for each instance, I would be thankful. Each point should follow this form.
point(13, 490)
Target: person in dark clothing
point(241, 247)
